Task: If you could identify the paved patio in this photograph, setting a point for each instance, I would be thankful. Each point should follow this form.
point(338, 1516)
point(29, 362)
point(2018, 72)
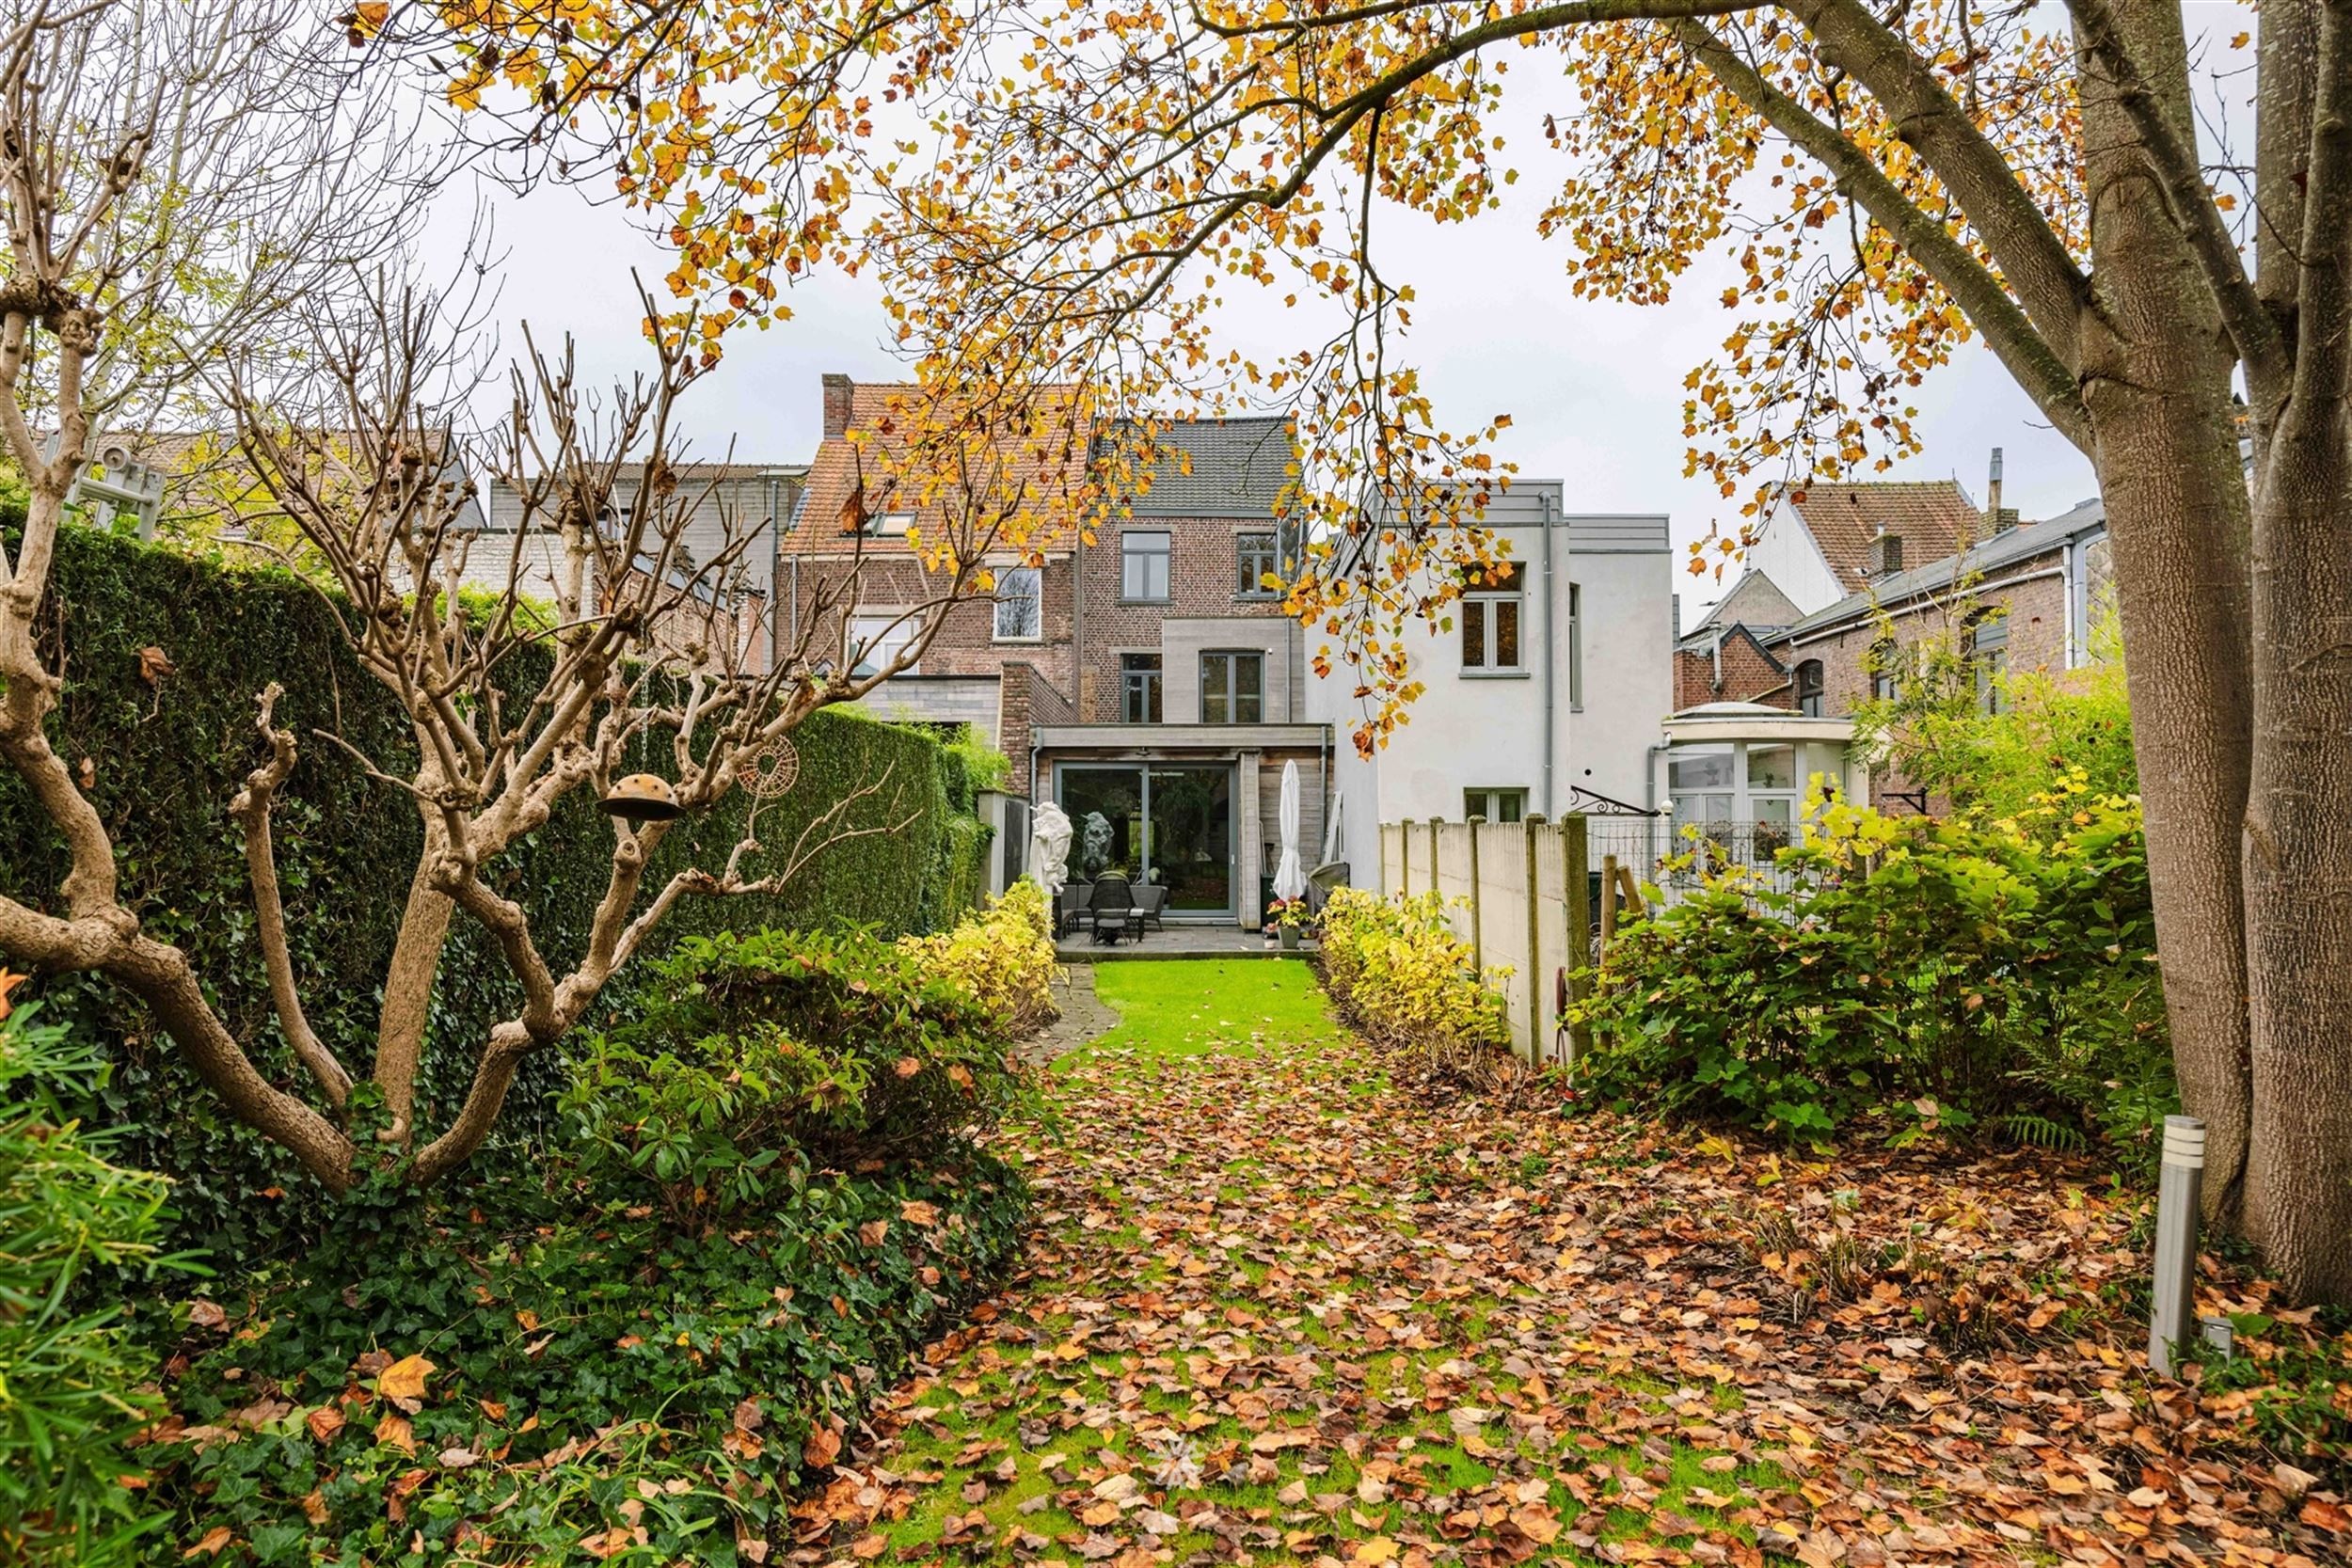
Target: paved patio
point(1175, 942)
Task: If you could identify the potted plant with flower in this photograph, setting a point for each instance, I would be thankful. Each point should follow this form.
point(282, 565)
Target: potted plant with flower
point(1285, 919)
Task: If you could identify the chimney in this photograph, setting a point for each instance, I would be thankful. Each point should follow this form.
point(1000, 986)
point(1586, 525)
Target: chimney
point(840, 393)
point(1992, 495)
point(1886, 555)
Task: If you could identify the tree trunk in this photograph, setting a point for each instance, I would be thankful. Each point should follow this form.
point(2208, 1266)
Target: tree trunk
point(2298, 866)
point(2298, 830)
point(409, 991)
point(2155, 375)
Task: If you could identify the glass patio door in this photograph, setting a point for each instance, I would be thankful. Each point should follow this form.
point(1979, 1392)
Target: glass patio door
point(1170, 826)
point(1191, 816)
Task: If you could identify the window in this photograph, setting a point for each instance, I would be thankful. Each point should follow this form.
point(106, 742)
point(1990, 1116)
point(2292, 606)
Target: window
point(1232, 688)
point(1139, 688)
point(1257, 559)
point(1019, 604)
point(1576, 645)
point(1886, 656)
point(1143, 564)
point(1490, 620)
point(1700, 780)
point(890, 525)
point(1988, 655)
point(1495, 805)
point(877, 640)
point(1810, 688)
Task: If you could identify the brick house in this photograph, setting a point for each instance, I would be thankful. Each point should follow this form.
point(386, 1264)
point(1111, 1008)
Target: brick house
point(1146, 680)
point(2019, 597)
point(2026, 597)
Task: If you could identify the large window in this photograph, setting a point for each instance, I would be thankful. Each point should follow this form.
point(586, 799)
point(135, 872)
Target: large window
point(1143, 564)
point(1988, 656)
point(1019, 604)
point(1139, 688)
point(1731, 788)
point(1232, 688)
point(1257, 559)
point(1491, 621)
point(1495, 805)
point(1700, 778)
point(1810, 688)
point(877, 640)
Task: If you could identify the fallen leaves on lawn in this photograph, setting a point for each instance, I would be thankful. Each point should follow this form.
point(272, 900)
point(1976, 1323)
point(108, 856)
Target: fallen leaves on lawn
point(1279, 1310)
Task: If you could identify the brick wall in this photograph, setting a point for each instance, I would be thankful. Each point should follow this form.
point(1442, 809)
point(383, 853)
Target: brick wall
point(1202, 576)
point(2037, 639)
point(966, 643)
point(1748, 676)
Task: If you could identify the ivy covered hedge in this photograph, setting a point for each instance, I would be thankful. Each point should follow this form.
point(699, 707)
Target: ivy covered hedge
point(164, 756)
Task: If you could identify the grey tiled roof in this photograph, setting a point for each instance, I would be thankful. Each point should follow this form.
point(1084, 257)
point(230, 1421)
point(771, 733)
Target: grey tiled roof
point(1238, 468)
point(2002, 550)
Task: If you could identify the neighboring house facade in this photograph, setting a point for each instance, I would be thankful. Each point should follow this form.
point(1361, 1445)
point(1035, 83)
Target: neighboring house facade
point(729, 501)
point(1146, 680)
point(2026, 597)
point(1545, 696)
point(993, 661)
point(1190, 691)
point(1813, 553)
point(2012, 597)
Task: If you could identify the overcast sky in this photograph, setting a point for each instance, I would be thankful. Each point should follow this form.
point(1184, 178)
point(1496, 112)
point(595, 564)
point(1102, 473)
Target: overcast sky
point(1593, 389)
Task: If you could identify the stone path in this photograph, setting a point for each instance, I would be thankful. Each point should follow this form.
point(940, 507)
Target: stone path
point(1084, 1017)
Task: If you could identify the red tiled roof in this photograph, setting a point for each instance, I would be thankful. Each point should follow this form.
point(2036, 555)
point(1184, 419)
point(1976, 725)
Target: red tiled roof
point(1934, 517)
point(847, 475)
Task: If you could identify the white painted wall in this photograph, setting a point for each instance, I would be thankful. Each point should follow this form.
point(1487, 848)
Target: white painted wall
point(1474, 731)
point(1785, 551)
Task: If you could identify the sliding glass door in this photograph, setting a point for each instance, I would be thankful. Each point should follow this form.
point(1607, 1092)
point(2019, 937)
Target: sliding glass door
point(1170, 826)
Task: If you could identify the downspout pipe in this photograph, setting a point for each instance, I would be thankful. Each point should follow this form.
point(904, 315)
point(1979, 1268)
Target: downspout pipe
point(1552, 645)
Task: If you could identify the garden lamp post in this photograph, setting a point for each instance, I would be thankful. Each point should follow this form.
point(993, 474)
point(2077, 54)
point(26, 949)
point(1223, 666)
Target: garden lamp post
point(2178, 1192)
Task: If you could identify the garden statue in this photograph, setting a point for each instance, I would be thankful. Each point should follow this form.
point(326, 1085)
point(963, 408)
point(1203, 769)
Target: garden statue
point(1049, 848)
point(1098, 843)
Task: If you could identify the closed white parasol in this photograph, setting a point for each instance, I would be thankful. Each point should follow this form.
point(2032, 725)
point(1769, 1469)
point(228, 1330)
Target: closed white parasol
point(1290, 879)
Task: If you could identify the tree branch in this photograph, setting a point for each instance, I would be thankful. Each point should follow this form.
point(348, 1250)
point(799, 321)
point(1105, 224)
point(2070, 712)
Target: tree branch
point(2045, 375)
point(2260, 346)
point(252, 807)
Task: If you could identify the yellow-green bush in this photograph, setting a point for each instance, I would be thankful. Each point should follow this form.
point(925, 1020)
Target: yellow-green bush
point(1002, 957)
point(1403, 978)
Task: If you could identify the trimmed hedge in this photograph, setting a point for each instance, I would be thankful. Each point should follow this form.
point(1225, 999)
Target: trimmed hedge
point(166, 759)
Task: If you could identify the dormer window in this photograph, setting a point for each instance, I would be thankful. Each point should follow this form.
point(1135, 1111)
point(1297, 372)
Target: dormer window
point(890, 525)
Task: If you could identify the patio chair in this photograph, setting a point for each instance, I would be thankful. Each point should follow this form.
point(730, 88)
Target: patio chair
point(1112, 909)
point(1150, 899)
point(1074, 907)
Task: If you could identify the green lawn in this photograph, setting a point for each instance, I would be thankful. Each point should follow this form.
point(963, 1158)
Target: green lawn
point(1190, 1007)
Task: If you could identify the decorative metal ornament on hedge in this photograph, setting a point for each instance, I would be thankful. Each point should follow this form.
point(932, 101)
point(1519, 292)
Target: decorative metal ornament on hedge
point(643, 797)
point(772, 770)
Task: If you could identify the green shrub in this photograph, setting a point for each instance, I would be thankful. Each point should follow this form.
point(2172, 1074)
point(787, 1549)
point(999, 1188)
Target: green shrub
point(1002, 959)
point(971, 764)
point(166, 759)
point(544, 1372)
point(2046, 728)
point(759, 1048)
point(1402, 978)
point(70, 1379)
point(1941, 972)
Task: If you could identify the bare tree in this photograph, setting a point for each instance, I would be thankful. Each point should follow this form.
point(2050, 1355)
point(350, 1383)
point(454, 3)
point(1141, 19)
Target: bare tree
point(187, 199)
